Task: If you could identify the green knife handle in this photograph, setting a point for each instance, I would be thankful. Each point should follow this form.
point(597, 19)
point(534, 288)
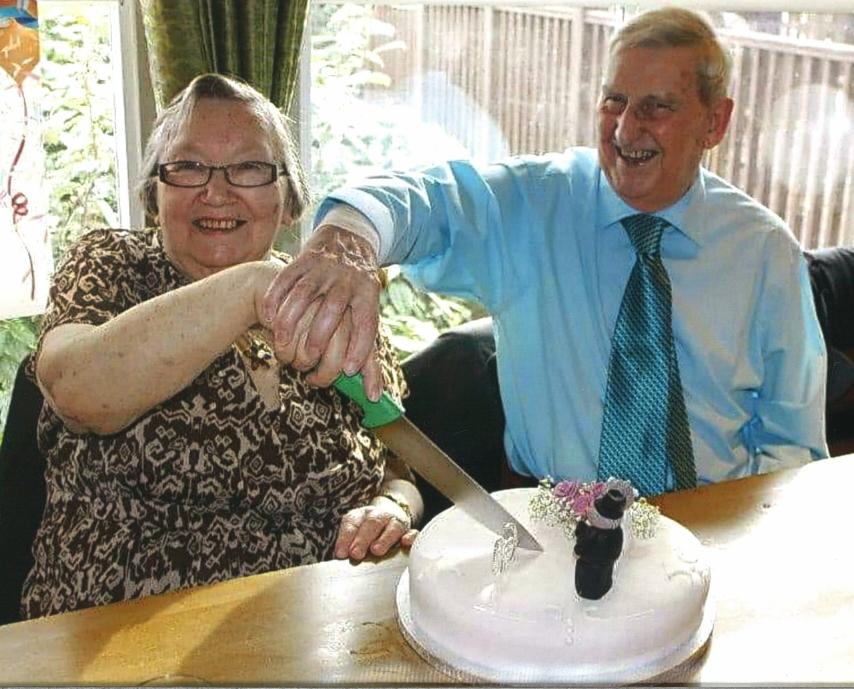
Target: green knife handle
point(379, 413)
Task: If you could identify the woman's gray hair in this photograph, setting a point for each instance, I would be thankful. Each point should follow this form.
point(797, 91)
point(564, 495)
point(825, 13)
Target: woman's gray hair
point(674, 27)
point(171, 121)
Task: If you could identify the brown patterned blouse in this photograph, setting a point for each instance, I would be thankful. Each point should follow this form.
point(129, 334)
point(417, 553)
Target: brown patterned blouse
point(207, 486)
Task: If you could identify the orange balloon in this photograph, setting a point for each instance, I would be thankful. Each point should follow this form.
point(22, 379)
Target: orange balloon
point(19, 49)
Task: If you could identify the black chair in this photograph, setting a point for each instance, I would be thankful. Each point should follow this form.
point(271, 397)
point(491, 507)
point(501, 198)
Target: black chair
point(832, 276)
point(454, 399)
point(22, 492)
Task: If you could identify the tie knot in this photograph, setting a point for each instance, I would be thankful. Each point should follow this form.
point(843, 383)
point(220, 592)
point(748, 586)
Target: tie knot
point(645, 232)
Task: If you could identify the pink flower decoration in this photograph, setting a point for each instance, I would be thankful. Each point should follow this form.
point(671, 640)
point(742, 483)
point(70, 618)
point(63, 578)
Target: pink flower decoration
point(567, 490)
point(597, 489)
point(582, 503)
point(577, 497)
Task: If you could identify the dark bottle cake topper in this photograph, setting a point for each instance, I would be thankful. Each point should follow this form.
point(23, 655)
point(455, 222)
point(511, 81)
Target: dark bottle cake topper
point(598, 544)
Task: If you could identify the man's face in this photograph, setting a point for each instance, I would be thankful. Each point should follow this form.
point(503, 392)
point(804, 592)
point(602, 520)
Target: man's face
point(653, 128)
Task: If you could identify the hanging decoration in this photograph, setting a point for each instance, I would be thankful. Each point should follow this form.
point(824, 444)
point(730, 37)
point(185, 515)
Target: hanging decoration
point(25, 255)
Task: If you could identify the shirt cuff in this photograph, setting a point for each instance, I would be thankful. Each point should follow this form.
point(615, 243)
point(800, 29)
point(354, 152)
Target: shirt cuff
point(348, 218)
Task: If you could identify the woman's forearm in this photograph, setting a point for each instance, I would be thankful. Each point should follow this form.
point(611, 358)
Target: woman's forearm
point(101, 378)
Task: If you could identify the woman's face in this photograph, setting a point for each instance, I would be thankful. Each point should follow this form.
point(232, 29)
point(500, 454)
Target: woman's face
point(206, 229)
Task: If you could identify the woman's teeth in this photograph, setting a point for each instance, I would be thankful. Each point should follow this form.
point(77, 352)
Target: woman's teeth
point(217, 225)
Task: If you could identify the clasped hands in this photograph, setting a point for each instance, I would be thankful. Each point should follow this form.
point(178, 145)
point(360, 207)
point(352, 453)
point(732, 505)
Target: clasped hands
point(323, 309)
point(323, 313)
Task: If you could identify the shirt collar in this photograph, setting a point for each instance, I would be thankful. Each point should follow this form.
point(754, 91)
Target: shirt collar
point(685, 215)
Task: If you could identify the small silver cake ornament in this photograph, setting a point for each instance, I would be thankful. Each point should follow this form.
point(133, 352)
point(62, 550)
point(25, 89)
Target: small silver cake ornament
point(504, 551)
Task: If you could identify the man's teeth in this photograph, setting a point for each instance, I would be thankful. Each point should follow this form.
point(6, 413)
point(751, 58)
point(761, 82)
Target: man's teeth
point(210, 224)
point(637, 156)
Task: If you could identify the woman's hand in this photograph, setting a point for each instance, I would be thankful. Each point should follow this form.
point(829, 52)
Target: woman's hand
point(374, 529)
point(336, 272)
point(324, 371)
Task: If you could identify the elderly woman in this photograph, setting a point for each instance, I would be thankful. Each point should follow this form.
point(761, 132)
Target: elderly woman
point(178, 451)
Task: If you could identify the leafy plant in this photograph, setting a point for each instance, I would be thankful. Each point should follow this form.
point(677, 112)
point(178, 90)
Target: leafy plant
point(415, 318)
point(76, 100)
point(79, 130)
point(349, 137)
point(17, 339)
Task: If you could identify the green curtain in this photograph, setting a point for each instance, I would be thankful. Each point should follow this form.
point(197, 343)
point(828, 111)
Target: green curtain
point(256, 40)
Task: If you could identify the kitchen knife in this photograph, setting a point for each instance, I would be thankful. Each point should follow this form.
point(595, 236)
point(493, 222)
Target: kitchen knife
point(386, 420)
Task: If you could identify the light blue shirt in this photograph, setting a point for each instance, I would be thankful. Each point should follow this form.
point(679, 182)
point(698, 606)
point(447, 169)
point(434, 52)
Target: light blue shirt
point(538, 241)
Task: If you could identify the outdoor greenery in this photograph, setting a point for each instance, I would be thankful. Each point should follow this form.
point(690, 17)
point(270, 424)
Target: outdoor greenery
point(17, 338)
point(76, 101)
point(78, 106)
point(348, 139)
point(353, 136)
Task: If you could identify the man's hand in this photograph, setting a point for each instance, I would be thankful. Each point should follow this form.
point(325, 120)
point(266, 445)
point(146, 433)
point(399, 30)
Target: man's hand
point(336, 275)
point(373, 529)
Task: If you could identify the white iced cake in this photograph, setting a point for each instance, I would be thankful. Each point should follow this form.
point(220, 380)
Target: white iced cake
point(528, 624)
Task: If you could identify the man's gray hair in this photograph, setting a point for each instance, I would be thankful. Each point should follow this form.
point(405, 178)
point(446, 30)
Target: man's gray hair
point(176, 116)
point(674, 27)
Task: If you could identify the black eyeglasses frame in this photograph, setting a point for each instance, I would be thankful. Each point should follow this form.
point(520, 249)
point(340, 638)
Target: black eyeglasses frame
point(161, 171)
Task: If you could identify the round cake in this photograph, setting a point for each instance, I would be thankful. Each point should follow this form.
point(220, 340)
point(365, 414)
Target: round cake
point(527, 624)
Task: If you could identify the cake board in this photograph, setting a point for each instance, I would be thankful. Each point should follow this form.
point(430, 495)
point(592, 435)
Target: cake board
point(465, 671)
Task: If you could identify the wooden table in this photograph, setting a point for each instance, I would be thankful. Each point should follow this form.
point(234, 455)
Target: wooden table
point(782, 555)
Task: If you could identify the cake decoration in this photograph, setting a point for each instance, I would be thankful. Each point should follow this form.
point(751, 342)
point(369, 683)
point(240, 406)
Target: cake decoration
point(599, 542)
point(504, 551)
point(567, 503)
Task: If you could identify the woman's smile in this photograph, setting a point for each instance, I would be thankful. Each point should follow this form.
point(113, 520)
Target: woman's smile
point(208, 225)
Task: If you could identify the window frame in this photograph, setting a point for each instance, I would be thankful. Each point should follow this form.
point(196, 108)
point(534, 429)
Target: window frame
point(134, 105)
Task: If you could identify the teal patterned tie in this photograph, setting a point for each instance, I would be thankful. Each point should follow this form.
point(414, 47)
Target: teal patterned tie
point(644, 425)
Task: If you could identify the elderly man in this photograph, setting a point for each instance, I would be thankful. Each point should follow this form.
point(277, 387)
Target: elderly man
point(652, 321)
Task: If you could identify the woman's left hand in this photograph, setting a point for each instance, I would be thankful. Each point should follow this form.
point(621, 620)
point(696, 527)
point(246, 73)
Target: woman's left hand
point(374, 528)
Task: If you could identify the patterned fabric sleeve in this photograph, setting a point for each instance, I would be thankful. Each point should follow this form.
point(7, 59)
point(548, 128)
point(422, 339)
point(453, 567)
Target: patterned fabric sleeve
point(90, 285)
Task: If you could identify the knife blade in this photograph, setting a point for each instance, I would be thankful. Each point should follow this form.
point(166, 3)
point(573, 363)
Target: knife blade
point(385, 418)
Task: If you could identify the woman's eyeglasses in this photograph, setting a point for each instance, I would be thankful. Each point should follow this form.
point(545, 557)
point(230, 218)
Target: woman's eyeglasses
point(189, 173)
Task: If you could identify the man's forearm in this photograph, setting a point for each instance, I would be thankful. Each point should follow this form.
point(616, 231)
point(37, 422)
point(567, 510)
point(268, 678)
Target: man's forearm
point(348, 218)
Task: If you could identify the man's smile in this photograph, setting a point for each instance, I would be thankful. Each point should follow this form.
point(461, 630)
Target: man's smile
point(635, 157)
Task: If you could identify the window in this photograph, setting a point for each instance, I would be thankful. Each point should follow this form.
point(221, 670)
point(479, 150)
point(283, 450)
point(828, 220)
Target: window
point(403, 85)
point(90, 113)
